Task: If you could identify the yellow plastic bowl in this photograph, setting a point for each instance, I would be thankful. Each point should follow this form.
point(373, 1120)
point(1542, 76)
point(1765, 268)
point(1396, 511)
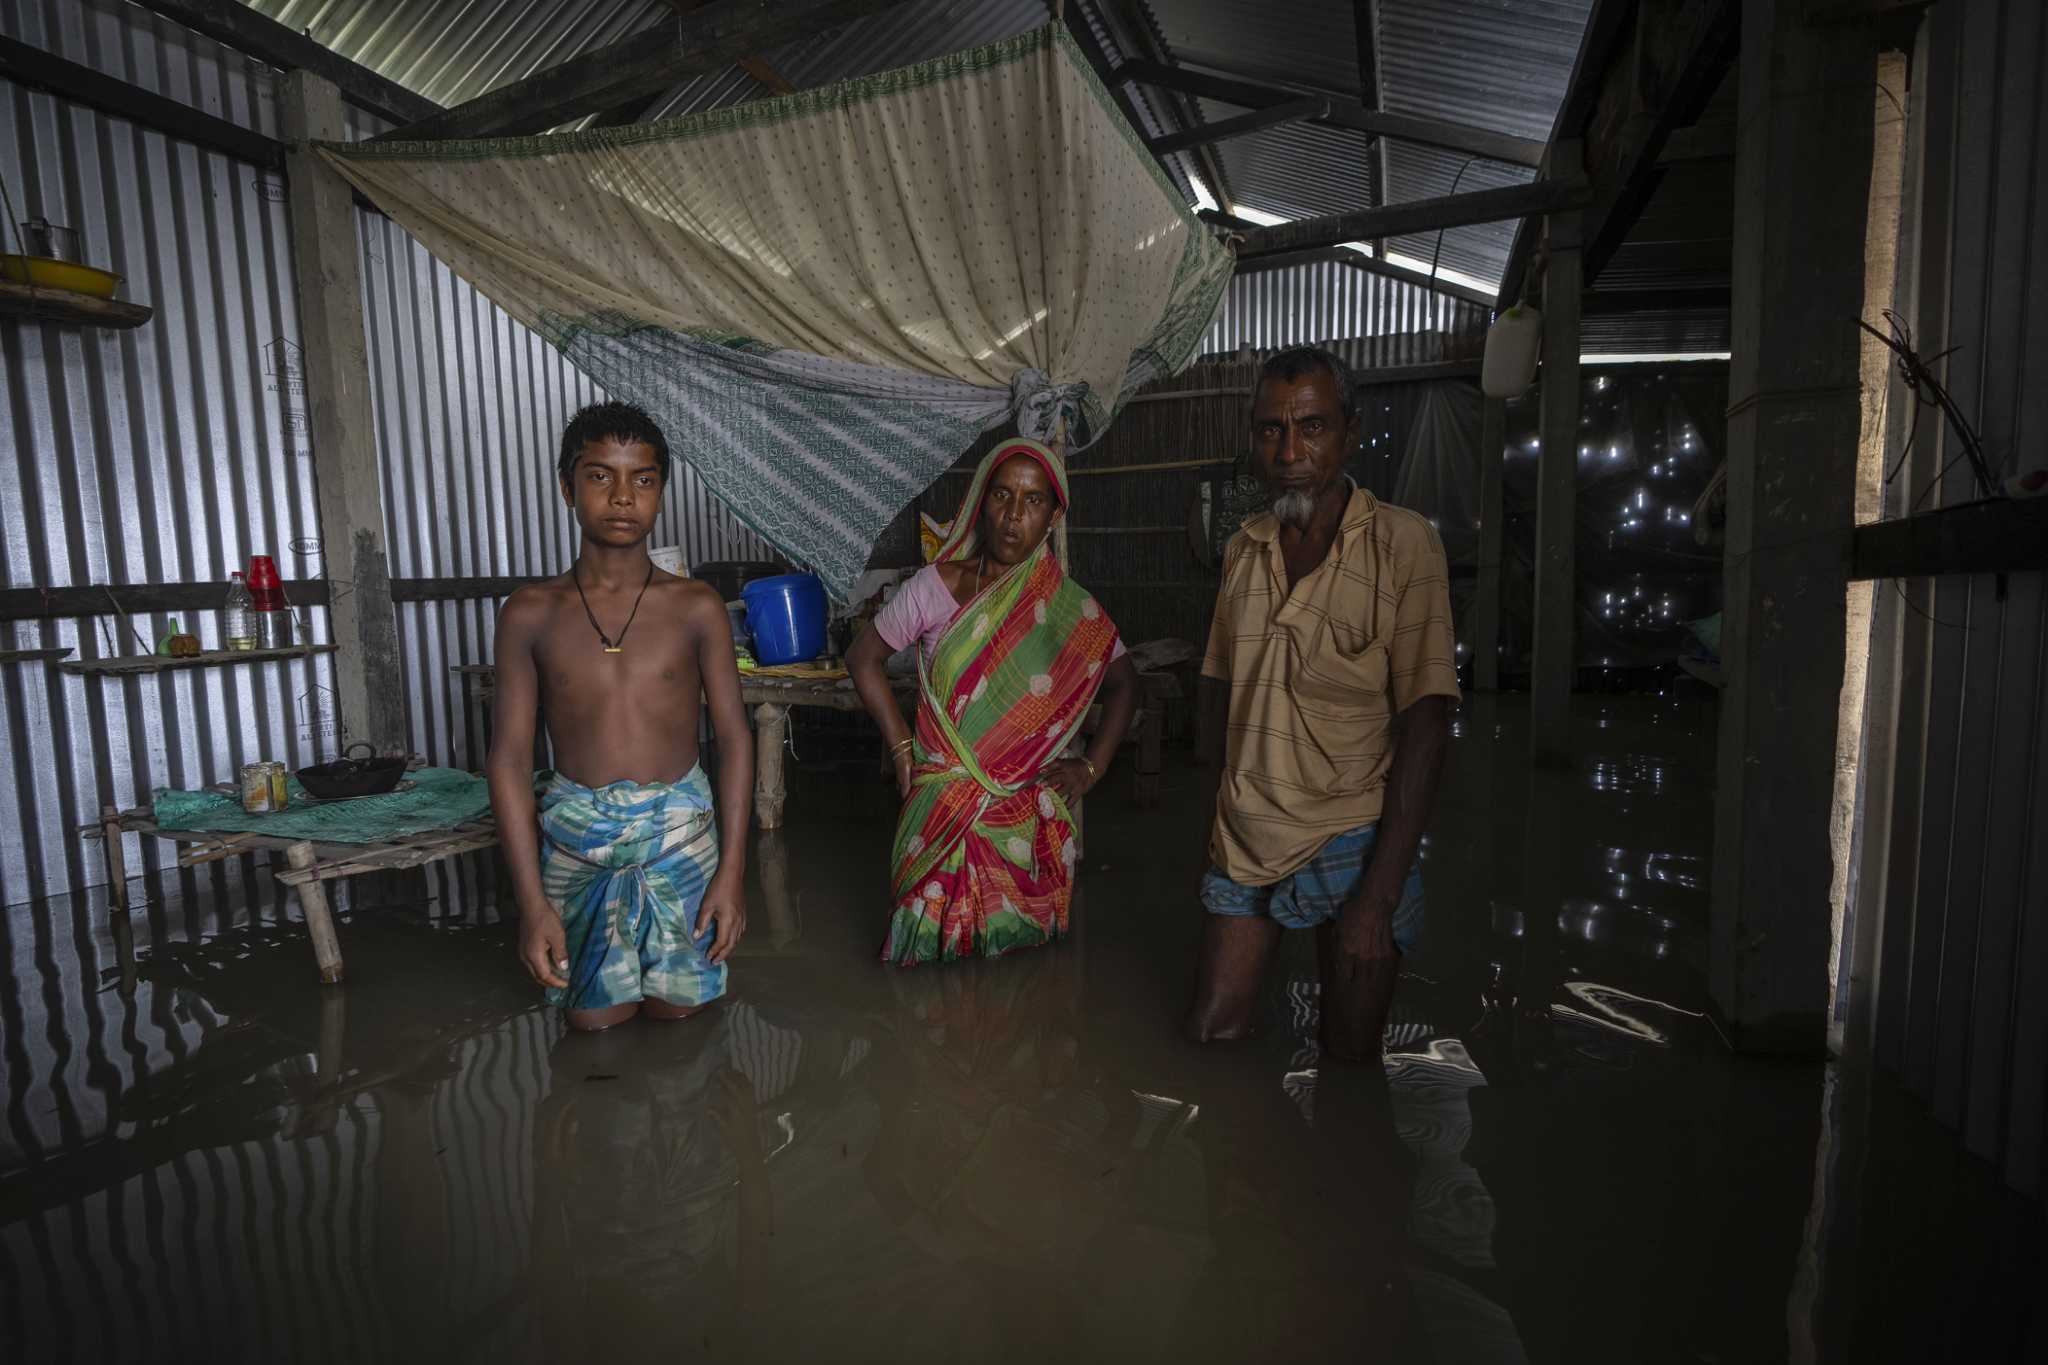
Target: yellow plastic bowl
point(46, 273)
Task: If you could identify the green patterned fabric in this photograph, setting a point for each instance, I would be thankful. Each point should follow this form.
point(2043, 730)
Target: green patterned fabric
point(826, 297)
point(440, 798)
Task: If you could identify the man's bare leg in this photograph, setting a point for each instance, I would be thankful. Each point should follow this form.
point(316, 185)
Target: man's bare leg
point(662, 1009)
point(1235, 952)
point(590, 1021)
point(1356, 998)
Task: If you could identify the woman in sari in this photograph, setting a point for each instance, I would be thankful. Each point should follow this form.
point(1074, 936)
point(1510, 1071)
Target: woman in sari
point(1011, 654)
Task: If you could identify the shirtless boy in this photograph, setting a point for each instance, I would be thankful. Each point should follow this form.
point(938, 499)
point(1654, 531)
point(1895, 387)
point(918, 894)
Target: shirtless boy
point(629, 899)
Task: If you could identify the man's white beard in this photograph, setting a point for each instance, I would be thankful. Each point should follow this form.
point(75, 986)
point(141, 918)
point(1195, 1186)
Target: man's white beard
point(1295, 508)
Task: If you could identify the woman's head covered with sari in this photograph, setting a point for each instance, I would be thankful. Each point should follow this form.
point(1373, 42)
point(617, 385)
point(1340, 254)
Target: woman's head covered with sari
point(1018, 495)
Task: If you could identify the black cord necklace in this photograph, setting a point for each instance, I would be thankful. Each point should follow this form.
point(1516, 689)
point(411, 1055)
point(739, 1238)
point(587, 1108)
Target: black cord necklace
point(611, 646)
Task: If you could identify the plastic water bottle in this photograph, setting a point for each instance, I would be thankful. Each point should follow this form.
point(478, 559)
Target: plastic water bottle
point(238, 617)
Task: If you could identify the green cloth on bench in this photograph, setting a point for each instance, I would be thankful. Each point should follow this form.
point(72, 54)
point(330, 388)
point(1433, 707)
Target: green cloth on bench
point(441, 798)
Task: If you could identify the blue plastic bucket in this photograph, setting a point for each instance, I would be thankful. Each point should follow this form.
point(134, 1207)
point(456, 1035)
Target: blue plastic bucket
point(787, 618)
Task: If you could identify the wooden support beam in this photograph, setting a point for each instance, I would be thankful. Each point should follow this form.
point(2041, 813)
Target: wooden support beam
point(40, 70)
point(1682, 53)
point(327, 265)
point(760, 68)
point(244, 29)
point(1137, 35)
point(1794, 418)
point(142, 599)
point(638, 67)
point(1294, 111)
point(1486, 595)
point(1554, 661)
point(1372, 265)
point(2002, 536)
point(1608, 302)
point(1344, 113)
point(1365, 21)
point(1607, 28)
point(1543, 196)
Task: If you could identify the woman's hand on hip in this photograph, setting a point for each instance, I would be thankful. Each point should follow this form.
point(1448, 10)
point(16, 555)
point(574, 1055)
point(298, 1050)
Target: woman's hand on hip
point(1072, 778)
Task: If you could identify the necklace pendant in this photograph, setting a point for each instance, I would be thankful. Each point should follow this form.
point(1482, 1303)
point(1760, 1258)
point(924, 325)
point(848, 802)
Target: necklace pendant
point(615, 649)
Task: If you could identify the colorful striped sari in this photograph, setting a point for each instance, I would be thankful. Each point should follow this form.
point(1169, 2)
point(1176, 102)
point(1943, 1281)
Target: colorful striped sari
point(985, 853)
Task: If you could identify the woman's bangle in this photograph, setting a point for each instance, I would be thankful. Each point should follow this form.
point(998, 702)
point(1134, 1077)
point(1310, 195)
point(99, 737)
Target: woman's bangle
point(1089, 764)
point(901, 746)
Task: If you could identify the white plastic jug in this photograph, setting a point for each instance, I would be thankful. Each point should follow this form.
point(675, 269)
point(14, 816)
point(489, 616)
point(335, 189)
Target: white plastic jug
point(1511, 346)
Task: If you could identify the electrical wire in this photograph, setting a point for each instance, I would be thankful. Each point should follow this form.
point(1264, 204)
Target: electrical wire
point(1918, 376)
point(1436, 254)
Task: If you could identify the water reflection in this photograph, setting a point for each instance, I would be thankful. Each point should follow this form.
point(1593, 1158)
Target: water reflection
point(206, 1157)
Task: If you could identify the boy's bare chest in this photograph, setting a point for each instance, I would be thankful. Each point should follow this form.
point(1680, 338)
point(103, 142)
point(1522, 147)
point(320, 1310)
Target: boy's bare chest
point(654, 660)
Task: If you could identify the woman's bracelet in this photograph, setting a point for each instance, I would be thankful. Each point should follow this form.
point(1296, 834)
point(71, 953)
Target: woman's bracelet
point(1089, 764)
point(902, 746)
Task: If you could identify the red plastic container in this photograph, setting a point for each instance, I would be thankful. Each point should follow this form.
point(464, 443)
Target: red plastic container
point(264, 584)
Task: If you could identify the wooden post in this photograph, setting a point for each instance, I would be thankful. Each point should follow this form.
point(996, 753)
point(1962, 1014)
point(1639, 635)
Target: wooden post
point(328, 267)
point(771, 725)
point(1557, 489)
point(319, 917)
point(1485, 633)
point(772, 857)
point(117, 861)
point(333, 1034)
point(1803, 158)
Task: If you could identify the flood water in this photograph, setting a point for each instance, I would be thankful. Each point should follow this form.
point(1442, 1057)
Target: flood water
point(207, 1156)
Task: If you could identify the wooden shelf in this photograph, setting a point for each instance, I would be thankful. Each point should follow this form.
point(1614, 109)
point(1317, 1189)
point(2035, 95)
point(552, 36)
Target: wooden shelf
point(64, 305)
point(30, 656)
point(212, 658)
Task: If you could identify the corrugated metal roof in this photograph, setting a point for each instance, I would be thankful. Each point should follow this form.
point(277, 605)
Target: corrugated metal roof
point(455, 50)
point(1495, 64)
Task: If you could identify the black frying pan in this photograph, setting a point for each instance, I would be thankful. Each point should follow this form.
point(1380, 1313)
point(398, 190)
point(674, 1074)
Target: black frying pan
point(348, 776)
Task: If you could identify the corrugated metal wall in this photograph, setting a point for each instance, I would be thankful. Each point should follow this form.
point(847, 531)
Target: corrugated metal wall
point(154, 455)
point(1299, 304)
point(172, 452)
point(1952, 892)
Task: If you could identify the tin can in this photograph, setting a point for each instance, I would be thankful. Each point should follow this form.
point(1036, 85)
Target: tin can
point(280, 794)
point(256, 788)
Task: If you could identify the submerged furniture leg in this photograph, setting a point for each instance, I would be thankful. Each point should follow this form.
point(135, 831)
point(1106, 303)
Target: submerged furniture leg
point(770, 725)
point(319, 919)
point(117, 860)
point(1151, 725)
point(773, 860)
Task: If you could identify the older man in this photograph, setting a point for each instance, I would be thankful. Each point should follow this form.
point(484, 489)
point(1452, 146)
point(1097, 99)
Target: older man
point(1331, 656)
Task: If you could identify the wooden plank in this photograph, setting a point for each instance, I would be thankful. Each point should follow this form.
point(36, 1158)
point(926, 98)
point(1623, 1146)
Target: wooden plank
point(69, 308)
point(327, 265)
point(56, 604)
point(40, 70)
point(1272, 116)
point(638, 66)
point(1344, 113)
point(2006, 535)
point(128, 664)
point(1545, 196)
point(246, 30)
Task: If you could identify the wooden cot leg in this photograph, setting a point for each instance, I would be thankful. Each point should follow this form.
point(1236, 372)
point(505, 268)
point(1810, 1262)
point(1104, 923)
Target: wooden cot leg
point(117, 860)
point(771, 723)
point(333, 1030)
point(319, 918)
point(772, 857)
point(1145, 781)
